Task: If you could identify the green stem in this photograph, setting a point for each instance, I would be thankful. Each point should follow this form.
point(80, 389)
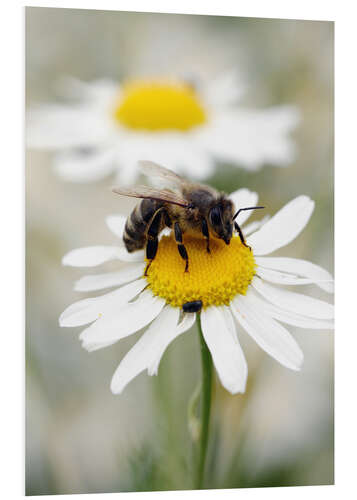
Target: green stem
point(205, 405)
point(194, 423)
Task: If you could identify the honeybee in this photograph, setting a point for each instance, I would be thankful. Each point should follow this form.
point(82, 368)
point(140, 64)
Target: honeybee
point(187, 208)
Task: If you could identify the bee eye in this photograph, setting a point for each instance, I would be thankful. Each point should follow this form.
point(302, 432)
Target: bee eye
point(215, 216)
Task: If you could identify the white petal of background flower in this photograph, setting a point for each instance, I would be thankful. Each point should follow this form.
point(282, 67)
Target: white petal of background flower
point(97, 91)
point(56, 127)
point(294, 302)
point(88, 310)
point(84, 166)
point(283, 227)
point(251, 138)
point(176, 151)
point(146, 349)
point(123, 321)
point(227, 355)
point(224, 90)
point(127, 169)
point(97, 95)
point(130, 272)
point(301, 267)
point(267, 333)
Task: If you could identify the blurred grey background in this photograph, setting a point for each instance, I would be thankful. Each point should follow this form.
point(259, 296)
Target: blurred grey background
point(81, 438)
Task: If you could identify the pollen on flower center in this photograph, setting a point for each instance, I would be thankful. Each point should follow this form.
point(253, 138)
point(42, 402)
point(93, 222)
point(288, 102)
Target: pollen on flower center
point(159, 106)
point(215, 277)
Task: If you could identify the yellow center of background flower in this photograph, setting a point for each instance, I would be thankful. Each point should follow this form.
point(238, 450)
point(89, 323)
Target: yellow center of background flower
point(159, 106)
point(215, 278)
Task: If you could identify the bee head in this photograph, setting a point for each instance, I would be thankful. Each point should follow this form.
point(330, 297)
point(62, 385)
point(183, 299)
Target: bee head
point(220, 219)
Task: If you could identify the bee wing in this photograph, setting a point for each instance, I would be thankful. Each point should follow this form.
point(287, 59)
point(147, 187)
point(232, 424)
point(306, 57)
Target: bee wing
point(152, 193)
point(151, 169)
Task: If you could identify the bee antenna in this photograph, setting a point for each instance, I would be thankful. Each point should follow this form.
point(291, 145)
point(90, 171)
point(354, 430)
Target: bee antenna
point(247, 208)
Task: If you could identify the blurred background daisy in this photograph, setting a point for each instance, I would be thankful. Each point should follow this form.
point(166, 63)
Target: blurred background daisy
point(81, 438)
point(182, 123)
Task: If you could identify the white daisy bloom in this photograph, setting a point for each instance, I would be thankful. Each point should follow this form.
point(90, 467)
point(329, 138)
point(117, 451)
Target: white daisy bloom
point(237, 286)
point(109, 127)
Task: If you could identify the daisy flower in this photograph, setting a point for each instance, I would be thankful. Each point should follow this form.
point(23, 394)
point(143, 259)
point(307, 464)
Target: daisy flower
point(239, 289)
point(109, 127)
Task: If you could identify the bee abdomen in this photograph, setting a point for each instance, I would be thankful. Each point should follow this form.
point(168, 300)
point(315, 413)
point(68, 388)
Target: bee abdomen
point(137, 224)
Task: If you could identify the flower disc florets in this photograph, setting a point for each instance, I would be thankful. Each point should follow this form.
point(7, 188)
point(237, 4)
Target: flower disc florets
point(159, 106)
point(215, 278)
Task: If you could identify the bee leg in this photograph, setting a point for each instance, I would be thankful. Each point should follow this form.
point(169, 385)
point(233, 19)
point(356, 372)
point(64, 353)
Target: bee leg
point(153, 242)
point(237, 228)
point(151, 250)
point(147, 268)
point(205, 233)
point(167, 219)
point(180, 246)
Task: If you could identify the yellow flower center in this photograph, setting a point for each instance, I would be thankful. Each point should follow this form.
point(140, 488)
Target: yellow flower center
point(214, 278)
point(159, 106)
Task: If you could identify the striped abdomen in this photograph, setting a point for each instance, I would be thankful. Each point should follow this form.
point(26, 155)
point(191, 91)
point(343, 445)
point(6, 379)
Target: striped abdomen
point(137, 224)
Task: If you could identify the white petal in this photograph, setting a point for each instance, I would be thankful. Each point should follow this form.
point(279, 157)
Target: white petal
point(90, 256)
point(84, 165)
point(294, 302)
point(95, 91)
point(226, 352)
point(287, 317)
point(283, 227)
point(178, 151)
point(243, 198)
point(116, 224)
point(185, 324)
point(146, 349)
point(228, 318)
point(282, 278)
point(224, 90)
point(125, 256)
point(88, 310)
point(320, 276)
point(106, 280)
point(251, 138)
point(95, 347)
point(128, 172)
point(124, 321)
point(267, 333)
point(254, 226)
point(59, 126)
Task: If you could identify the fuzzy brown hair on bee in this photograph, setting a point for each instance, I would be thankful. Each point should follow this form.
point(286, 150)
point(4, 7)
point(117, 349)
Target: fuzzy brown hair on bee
point(185, 207)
